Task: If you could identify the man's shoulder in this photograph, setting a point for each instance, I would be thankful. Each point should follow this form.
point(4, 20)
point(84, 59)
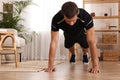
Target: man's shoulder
point(58, 16)
point(81, 11)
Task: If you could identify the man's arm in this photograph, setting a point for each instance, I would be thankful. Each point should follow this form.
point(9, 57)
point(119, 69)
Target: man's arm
point(93, 50)
point(52, 50)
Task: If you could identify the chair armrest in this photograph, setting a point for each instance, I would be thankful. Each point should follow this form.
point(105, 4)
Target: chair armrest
point(19, 41)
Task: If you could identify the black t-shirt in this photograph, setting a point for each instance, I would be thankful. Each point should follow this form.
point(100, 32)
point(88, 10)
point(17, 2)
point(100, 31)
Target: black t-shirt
point(83, 23)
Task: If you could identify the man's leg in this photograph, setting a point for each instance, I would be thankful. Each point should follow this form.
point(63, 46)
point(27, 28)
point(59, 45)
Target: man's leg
point(72, 51)
point(84, 45)
point(85, 55)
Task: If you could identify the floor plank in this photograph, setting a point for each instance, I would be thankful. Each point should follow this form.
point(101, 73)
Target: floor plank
point(66, 71)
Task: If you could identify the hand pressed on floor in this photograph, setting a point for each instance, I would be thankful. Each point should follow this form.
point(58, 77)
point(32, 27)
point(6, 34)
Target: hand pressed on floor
point(94, 70)
point(49, 69)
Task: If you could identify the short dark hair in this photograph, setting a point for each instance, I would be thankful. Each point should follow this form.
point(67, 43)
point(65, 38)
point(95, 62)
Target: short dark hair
point(69, 9)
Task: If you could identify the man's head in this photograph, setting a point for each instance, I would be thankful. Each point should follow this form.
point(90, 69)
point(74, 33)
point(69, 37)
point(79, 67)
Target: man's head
point(70, 12)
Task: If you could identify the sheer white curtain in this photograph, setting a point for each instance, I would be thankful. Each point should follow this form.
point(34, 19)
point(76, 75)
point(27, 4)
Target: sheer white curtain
point(38, 18)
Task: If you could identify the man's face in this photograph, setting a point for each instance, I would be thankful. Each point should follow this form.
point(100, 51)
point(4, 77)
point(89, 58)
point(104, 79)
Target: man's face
point(71, 21)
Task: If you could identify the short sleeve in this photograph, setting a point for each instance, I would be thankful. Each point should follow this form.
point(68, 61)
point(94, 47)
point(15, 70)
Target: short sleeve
point(54, 26)
point(55, 20)
point(87, 18)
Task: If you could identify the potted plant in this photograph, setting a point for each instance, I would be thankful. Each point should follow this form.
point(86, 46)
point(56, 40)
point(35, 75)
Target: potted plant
point(11, 18)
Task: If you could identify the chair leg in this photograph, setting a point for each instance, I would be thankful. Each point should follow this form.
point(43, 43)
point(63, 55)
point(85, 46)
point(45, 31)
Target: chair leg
point(76, 51)
point(20, 54)
point(16, 58)
point(13, 46)
point(69, 54)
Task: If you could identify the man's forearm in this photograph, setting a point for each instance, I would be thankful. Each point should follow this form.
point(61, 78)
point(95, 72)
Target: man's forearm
point(94, 54)
point(51, 60)
point(52, 55)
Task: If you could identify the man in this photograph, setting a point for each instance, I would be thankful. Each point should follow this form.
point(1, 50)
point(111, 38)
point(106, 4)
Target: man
point(77, 26)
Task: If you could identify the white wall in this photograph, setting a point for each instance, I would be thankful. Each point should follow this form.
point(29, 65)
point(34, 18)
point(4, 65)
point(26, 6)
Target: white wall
point(40, 16)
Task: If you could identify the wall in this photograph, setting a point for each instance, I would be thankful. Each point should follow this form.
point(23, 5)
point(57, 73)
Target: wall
point(38, 18)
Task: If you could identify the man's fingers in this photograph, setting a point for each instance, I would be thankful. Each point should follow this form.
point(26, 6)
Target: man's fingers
point(49, 70)
point(94, 71)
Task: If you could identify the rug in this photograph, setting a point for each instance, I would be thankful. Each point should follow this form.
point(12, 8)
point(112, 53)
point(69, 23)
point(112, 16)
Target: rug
point(35, 66)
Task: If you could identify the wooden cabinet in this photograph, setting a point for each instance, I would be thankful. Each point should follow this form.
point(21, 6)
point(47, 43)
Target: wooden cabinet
point(100, 1)
point(107, 22)
point(106, 16)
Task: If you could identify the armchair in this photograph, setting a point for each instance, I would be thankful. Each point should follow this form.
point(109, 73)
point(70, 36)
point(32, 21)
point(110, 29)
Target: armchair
point(20, 42)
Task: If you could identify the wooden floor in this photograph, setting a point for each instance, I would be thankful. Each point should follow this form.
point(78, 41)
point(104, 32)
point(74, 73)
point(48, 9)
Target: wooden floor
point(66, 71)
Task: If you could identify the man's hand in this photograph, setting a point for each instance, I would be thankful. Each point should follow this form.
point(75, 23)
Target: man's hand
point(94, 69)
point(49, 69)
